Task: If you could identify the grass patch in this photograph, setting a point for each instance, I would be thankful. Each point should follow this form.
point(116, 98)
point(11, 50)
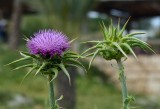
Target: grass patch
point(94, 95)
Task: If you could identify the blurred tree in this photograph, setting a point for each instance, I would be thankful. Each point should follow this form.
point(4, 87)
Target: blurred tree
point(15, 25)
point(67, 16)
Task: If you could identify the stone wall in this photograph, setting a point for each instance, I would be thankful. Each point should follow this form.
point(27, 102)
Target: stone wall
point(143, 75)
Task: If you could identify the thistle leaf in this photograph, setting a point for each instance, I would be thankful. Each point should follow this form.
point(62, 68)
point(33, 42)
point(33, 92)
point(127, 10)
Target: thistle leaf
point(101, 42)
point(89, 50)
point(73, 40)
point(73, 65)
point(93, 57)
point(133, 38)
point(123, 28)
point(103, 27)
point(21, 59)
point(40, 68)
point(130, 49)
point(132, 34)
point(29, 72)
point(27, 54)
point(77, 63)
point(55, 74)
point(115, 34)
point(120, 49)
point(23, 66)
point(60, 98)
point(147, 46)
point(65, 71)
point(72, 55)
point(25, 38)
point(91, 42)
point(23, 54)
point(90, 54)
point(112, 29)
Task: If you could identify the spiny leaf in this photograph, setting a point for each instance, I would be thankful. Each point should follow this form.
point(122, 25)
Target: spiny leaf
point(93, 57)
point(72, 55)
point(136, 40)
point(133, 38)
point(123, 28)
point(60, 98)
point(144, 46)
point(25, 38)
point(21, 59)
point(76, 62)
point(120, 49)
point(105, 34)
point(65, 71)
point(23, 54)
point(23, 66)
point(90, 54)
point(30, 71)
point(91, 42)
point(27, 54)
point(112, 29)
point(89, 49)
point(132, 34)
point(73, 65)
point(130, 49)
point(55, 74)
point(40, 68)
point(99, 42)
point(73, 40)
point(115, 36)
point(110, 32)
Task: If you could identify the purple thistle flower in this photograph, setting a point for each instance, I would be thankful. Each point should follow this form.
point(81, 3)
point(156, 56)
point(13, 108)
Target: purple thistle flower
point(48, 43)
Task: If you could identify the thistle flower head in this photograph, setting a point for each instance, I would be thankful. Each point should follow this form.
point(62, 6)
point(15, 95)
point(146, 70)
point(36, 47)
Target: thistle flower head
point(115, 44)
point(52, 44)
point(48, 43)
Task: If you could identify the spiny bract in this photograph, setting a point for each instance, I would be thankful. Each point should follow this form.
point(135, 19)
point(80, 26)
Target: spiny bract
point(115, 44)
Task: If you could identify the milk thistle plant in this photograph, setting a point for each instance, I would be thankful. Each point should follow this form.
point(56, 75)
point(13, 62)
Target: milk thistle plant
point(50, 52)
point(116, 46)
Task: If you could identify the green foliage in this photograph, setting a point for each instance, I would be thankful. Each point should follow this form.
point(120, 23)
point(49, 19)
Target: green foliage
point(89, 91)
point(33, 23)
point(93, 94)
point(115, 44)
point(47, 65)
point(68, 14)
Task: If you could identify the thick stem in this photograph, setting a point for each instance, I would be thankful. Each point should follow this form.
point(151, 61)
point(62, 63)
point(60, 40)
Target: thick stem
point(51, 92)
point(123, 83)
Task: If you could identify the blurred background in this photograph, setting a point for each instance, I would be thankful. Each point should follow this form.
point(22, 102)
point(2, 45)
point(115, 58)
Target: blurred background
point(97, 89)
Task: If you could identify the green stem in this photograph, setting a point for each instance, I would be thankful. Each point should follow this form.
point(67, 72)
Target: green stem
point(51, 92)
point(123, 83)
